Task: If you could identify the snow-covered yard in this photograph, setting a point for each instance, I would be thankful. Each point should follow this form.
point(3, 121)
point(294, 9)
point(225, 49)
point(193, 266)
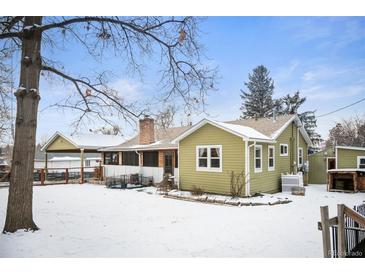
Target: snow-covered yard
point(92, 221)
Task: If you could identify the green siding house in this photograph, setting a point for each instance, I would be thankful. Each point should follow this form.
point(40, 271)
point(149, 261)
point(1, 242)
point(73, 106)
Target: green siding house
point(338, 157)
point(261, 149)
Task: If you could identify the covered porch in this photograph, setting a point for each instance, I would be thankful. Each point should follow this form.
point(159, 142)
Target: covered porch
point(76, 166)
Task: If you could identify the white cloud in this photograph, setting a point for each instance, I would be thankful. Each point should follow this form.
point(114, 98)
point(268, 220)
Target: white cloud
point(322, 92)
point(128, 89)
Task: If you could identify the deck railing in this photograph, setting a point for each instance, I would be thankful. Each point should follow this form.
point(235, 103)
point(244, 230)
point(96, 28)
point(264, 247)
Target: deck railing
point(68, 175)
point(343, 235)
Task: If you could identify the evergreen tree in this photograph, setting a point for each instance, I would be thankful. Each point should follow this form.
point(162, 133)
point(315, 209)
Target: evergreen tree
point(309, 121)
point(258, 101)
point(291, 103)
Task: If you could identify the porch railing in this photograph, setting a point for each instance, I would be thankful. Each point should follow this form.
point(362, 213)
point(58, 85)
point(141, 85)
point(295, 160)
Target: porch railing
point(343, 235)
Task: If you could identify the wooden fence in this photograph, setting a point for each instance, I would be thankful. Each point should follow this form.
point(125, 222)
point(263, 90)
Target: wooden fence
point(343, 235)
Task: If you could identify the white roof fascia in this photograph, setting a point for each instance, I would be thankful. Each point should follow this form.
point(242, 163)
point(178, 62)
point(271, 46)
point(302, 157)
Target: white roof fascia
point(216, 124)
point(351, 148)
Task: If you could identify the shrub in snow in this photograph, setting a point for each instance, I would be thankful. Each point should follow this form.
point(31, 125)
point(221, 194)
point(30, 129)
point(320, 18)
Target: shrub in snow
point(197, 191)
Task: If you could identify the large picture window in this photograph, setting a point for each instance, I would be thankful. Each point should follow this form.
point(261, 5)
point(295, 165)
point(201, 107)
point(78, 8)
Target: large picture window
point(258, 158)
point(271, 158)
point(209, 158)
point(130, 158)
point(150, 158)
point(111, 158)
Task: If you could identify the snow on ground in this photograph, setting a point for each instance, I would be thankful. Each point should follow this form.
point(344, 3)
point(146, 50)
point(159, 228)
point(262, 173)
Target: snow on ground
point(93, 221)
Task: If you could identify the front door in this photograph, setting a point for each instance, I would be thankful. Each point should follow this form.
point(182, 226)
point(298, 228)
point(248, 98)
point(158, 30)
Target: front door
point(169, 166)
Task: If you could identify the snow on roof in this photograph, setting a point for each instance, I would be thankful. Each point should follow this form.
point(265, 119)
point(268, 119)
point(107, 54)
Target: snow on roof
point(244, 131)
point(88, 141)
point(239, 130)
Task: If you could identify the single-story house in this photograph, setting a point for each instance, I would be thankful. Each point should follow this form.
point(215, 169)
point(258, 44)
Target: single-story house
point(150, 153)
point(332, 158)
point(204, 155)
point(261, 149)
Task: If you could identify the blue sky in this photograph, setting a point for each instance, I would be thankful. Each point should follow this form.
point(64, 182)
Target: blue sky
point(322, 57)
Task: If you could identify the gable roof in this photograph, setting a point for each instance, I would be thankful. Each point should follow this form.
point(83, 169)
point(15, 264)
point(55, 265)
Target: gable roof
point(86, 141)
point(244, 132)
point(262, 129)
point(163, 140)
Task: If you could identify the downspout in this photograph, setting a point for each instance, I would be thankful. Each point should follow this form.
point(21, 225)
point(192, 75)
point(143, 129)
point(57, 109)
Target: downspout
point(139, 160)
point(247, 167)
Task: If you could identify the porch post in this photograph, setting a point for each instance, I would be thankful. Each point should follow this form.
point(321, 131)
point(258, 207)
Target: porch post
point(46, 164)
point(82, 165)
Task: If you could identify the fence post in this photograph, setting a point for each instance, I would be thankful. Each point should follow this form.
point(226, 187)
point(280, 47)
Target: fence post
point(325, 232)
point(42, 176)
point(66, 176)
point(341, 231)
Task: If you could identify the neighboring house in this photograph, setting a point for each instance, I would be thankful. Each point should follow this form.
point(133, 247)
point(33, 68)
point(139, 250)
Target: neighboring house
point(4, 165)
point(82, 144)
point(149, 153)
point(68, 162)
point(261, 149)
point(338, 157)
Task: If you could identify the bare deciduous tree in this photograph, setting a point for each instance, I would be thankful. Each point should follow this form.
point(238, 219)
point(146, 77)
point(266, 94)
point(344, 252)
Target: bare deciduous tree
point(349, 132)
point(165, 117)
point(173, 39)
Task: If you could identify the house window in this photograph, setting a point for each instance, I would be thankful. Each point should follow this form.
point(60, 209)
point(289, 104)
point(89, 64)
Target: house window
point(300, 156)
point(361, 162)
point(111, 158)
point(271, 158)
point(283, 150)
point(87, 163)
point(150, 158)
point(258, 158)
point(209, 158)
point(130, 158)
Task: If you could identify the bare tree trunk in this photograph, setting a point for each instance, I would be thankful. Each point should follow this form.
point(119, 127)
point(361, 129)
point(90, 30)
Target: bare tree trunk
point(19, 213)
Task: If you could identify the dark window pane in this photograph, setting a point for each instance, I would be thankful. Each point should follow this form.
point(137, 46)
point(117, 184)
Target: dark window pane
point(130, 158)
point(203, 162)
point(150, 158)
point(257, 152)
point(362, 166)
point(258, 163)
point(271, 152)
point(215, 163)
point(362, 161)
point(111, 158)
point(271, 162)
point(214, 152)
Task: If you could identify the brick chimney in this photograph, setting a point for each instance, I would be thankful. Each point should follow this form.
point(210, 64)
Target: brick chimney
point(146, 130)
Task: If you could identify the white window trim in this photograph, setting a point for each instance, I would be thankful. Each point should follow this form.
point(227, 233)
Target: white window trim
point(270, 168)
point(287, 150)
point(300, 149)
point(209, 168)
point(358, 160)
point(257, 170)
